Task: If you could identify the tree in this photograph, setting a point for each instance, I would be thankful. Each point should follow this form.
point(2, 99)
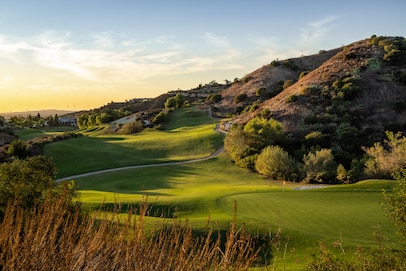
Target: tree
point(387, 158)
point(82, 121)
point(56, 120)
point(237, 145)
point(170, 103)
point(25, 180)
point(18, 149)
point(2, 121)
point(276, 163)
point(395, 206)
point(320, 166)
point(264, 132)
point(342, 174)
point(161, 117)
point(180, 100)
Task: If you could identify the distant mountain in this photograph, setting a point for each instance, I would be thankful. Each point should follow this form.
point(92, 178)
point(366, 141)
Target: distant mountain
point(43, 113)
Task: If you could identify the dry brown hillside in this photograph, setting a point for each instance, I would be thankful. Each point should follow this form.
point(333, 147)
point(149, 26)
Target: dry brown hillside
point(268, 77)
point(361, 85)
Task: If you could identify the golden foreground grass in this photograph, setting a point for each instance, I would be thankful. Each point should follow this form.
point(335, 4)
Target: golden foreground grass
point(56, 236)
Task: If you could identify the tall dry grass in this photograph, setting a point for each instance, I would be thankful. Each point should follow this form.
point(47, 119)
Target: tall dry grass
point(55, 237)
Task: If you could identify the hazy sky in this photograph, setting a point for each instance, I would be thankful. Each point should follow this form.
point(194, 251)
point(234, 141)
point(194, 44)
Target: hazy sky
point(82, 54)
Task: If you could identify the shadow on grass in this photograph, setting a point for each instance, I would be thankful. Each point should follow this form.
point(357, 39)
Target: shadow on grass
point(141, 181)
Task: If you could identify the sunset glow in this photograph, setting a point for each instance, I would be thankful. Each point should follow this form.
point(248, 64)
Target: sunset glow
point(83, 54)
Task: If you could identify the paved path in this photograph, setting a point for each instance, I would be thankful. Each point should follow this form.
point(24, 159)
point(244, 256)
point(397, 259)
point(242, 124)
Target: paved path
point(215, 154)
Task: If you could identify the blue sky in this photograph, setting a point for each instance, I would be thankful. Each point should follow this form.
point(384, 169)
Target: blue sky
point(82, 54)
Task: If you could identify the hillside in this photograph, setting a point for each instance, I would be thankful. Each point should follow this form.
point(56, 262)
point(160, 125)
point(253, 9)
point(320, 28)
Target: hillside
point(361, 85)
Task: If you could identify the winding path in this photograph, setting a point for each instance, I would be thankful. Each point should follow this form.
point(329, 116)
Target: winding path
point(215, 154)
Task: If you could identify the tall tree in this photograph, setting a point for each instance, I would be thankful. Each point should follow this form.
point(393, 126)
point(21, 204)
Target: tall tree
point(320, 166)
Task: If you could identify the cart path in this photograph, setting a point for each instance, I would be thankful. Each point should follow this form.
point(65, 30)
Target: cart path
point(213, 155)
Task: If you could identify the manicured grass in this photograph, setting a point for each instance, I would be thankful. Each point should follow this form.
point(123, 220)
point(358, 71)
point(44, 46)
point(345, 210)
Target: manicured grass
point(212, 187)
point(91, 153)
point(31, 133)
point(209, 189)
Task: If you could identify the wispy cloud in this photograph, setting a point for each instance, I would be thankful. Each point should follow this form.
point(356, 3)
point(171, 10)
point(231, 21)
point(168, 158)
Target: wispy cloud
point(216, 40)
point(110, 59)
point(314, 31)
point(103, 40)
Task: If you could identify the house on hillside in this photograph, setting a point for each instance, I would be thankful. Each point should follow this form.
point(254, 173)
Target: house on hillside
point(68, 121)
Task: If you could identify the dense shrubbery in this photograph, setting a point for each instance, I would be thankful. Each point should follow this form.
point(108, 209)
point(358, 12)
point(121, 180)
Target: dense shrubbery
point(28, 181)
point(98, 118)
point(276, 163)
point(161, 117)
point(214, 98)
point(262, 145)
point(386, 158)
point(132, 127)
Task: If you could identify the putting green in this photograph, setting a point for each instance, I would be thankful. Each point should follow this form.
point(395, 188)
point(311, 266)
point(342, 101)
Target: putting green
point(321, 214)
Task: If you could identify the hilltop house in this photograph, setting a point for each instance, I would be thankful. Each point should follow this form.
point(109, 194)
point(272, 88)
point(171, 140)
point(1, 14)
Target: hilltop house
point(69, 121)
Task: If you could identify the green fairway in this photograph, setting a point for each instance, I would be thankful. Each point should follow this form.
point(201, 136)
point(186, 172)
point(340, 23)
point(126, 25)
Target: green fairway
point(209, 189)
point(31, 133)
point(212, 187)
point(95, 152)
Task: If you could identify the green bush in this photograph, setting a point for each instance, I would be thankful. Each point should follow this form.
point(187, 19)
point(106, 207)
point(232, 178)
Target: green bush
point(309, 90)
point(276, 163)
point(214, 98)
point(260, 92)
point(291, 99)
point(132, 128)
point(246, 79)
point(288, 83)
point(161, 117)
point(302, 74)
point(387, 158)
point(350, 55)
point(240, 97)
point(320, 167)
point(275, 63)
point(374, 64)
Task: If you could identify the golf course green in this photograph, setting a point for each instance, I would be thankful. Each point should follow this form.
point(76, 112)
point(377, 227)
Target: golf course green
point(210, 189)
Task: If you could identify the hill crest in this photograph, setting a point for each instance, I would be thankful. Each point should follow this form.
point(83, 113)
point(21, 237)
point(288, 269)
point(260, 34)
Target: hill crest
point(361, 84)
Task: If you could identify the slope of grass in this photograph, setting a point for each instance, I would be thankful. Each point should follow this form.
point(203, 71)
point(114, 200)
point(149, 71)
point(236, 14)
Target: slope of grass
point(95, 152)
